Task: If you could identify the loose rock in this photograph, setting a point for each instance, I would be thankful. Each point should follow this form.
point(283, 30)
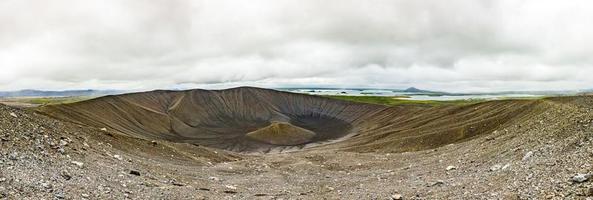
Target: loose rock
point(79, 164)
point(581, 178)
point(230, 187)
point(397, 197)
point(437, 183)
point(527, 156)
point(66, 175)
point(495, 167)
point(134, 172)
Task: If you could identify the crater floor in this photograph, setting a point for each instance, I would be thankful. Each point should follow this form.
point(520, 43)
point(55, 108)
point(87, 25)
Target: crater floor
point(280, 133)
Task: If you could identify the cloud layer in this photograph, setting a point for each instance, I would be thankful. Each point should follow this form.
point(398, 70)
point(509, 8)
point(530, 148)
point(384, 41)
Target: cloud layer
point(458, 45)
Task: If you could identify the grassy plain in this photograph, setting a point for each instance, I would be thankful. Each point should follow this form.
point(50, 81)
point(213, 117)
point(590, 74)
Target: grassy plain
point(40, 101)
point(401, 100)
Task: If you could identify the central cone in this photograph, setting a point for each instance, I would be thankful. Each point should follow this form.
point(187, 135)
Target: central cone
point(281, 133)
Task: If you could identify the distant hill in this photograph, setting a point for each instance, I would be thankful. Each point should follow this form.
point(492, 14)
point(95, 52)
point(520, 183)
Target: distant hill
point(64, 93)
point(414, 90)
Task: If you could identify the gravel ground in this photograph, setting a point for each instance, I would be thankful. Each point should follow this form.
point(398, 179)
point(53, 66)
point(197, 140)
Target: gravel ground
point(548, 155)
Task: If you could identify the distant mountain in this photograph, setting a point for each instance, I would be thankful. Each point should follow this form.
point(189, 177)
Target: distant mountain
point(420, 91)
point(414, 90)
point(64, 93)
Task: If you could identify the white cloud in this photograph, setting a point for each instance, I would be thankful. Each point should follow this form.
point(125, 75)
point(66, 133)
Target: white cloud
point(459, 45)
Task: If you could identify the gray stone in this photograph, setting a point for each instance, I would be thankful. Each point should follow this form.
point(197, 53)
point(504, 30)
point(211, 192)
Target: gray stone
point(581, 178)
point(397, 197)
point(495, 167)
point(527, 156)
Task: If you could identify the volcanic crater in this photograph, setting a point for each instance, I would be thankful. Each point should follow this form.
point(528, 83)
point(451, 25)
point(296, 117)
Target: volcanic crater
point(261, 120)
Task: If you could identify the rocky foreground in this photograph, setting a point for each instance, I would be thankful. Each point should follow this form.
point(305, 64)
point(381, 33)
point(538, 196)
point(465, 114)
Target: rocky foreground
point(546, 155)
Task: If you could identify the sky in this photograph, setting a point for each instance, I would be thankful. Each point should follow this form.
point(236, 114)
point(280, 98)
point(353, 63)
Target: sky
point(453, 45)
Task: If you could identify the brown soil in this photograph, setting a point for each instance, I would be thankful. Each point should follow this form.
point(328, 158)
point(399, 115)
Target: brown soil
point(248, 143)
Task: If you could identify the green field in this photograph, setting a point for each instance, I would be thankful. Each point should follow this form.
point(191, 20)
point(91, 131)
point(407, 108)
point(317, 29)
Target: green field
point(40, 101)
point(394, 101)
point(55, 100)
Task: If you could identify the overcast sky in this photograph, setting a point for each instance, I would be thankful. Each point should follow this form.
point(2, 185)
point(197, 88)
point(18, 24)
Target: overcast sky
point(467, 45)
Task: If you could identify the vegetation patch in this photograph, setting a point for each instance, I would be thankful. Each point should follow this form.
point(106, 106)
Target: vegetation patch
point(401, 100)
point(40, 101)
